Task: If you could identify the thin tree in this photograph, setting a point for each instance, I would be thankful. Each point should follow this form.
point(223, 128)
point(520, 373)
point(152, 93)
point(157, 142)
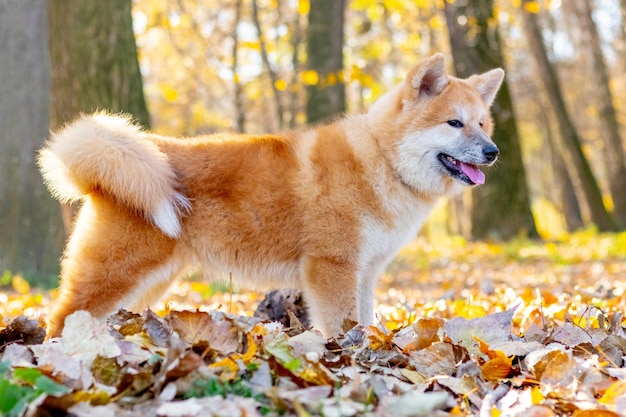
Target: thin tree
point(268, 66)
point(239, 106)
point(502, 206)
point(31, 236)
point(327, 97)
point(577, 163)
point(613, 150)
point(94, 63)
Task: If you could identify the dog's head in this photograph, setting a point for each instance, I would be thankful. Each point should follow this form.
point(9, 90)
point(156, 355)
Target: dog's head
point(435, 128)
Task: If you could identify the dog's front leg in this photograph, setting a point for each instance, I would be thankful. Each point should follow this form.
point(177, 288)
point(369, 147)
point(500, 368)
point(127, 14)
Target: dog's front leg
point(330, 290)
point(366, 291)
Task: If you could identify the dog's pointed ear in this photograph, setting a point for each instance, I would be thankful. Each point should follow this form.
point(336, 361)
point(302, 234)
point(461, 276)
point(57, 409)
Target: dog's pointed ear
point(487, 84)
point(428, 78)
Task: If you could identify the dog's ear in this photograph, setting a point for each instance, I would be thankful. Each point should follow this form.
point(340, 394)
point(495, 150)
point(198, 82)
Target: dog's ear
point(428, 78)
point(487, 84)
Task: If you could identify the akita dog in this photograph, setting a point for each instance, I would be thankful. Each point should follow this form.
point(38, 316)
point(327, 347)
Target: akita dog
point(323, 210)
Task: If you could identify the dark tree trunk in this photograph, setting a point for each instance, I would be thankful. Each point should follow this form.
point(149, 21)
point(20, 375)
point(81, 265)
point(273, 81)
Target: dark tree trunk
point(575, 158)
point(31, 236)
point(325, 56)
point(502, 206)
point(94, 60)
point(94, 63)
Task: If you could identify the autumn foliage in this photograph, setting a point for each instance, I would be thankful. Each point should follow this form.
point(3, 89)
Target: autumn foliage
point(524, 328)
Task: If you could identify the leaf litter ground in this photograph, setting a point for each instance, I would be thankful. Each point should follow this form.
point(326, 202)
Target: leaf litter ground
point(520, 329)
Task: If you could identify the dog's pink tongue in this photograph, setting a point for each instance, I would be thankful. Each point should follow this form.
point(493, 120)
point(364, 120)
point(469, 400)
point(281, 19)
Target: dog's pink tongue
point(474, 174)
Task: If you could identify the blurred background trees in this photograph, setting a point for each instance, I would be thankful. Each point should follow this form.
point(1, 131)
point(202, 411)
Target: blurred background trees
point(263, 65)
point(31, 233)
point(94, 64)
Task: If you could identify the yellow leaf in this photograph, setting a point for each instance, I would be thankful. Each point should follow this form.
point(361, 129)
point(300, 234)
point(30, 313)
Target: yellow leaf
point(615, 391)
point(252, 349)
point(20, 284)
point(536, 396)
point(532, 7)
point(169, 93)
point(355, 73)
point(280, 85)
point(497, 368)
point(303, 7)
point(467, 310)
point(437, 22)
point(229, 366)
point(495, 412)
point(310, 77)
point(379, 339)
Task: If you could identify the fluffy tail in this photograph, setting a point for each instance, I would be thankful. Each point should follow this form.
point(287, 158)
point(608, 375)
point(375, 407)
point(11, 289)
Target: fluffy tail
point(111, 154)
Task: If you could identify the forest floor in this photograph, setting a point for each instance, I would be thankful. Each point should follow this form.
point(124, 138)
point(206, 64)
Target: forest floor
point(525, 328)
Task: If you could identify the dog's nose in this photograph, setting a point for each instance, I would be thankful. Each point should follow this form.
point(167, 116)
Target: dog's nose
point(491, 152)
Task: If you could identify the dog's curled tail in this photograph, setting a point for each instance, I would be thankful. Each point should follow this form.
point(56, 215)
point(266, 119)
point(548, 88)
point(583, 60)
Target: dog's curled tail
point(110, 154)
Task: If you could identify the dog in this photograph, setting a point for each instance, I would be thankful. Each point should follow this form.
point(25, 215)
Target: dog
point(323, 209)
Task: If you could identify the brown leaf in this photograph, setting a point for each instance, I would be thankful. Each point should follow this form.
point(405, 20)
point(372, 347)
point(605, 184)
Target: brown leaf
point(126, 322)
point(106, 371)
point(436, 359)
point(22, 330)
point(194, 327)
point(156, 328)
point(427, 330)
point(595, 413)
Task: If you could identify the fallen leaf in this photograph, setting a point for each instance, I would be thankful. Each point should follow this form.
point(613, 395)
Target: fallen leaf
point(195, 326)
point(85, 337)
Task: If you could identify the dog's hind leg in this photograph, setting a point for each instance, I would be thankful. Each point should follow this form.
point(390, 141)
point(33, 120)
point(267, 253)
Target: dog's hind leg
point(113, 259)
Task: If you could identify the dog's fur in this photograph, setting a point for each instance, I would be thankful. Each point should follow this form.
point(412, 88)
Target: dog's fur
point(323, 210)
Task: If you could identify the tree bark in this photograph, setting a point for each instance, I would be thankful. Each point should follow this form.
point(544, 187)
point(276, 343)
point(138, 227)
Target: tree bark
point(239, 106)
point(94, 64)
point(563, 195)
point(502, 206)
point(325, 56)
point(613, 150)
point(94, 60)
point(31, 236)
point(575, 158)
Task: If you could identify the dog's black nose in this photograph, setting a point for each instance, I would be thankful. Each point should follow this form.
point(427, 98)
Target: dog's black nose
point(491, 152)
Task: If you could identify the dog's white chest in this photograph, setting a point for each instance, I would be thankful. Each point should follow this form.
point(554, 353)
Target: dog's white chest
point(380, 243)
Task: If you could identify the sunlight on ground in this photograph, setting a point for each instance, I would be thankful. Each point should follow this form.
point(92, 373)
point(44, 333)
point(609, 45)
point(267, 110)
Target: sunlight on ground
point(581, 278)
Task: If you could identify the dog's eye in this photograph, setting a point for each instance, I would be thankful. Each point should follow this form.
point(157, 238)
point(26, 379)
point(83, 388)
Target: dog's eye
point(455, 123)
point(481, 124)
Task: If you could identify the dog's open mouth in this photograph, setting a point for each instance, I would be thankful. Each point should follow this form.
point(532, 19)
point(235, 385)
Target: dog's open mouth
point(464, 172)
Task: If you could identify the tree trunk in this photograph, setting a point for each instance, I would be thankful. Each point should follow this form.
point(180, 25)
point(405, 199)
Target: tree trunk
point(563, 191)
point(266, 62)
point(94, 60)
point(94, 63)
point(502, 206)
point(238, 104)
point(31, 236)
point(327, 97)
point(575, 158)
point(613, 150)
